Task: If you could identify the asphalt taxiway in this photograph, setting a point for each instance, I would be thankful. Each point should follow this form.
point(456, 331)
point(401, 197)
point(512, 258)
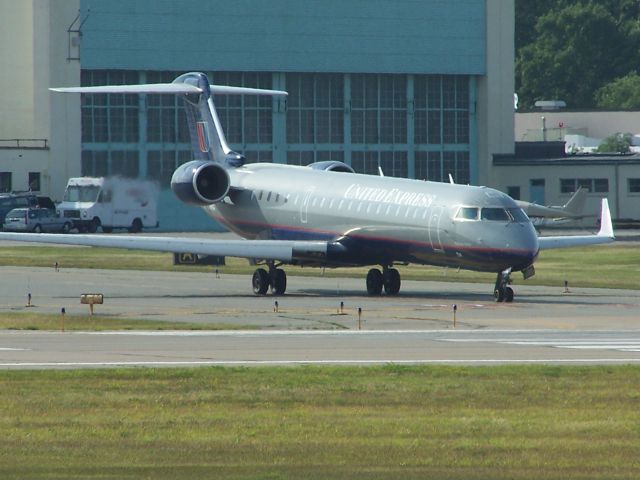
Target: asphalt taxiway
point(544, 324)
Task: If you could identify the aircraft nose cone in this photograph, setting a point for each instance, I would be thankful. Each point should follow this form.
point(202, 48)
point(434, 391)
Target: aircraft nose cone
point(527, 245)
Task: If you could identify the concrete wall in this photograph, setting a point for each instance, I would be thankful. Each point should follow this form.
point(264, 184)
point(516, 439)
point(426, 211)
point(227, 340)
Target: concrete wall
point(495, 90)
point(17, 74)
point(34, 57)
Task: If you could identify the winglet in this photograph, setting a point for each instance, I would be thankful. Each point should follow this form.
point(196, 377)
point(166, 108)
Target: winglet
point(606, 226)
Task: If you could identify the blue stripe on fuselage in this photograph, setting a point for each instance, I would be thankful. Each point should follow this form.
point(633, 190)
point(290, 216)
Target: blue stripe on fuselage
point(372, 250)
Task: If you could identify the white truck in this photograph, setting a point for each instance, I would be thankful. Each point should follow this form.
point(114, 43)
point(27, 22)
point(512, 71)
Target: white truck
point(110, 202)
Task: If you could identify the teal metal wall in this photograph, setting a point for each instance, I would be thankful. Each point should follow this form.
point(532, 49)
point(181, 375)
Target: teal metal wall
point(350, 36)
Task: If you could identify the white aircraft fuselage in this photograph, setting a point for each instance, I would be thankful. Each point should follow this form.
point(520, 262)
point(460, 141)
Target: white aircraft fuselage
point(377, 220)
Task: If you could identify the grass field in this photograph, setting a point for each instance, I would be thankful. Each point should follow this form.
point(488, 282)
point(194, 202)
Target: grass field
point(334, 422)
point(45, 321)
point(612, 266)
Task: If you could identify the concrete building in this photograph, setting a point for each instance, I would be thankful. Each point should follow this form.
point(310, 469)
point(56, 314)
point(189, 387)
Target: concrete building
point(39, 134)
point(422, 89)
point(549, 176)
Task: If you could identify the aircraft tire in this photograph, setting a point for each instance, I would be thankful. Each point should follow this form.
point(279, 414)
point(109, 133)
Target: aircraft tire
point(508, 295)
point(260, 281)
point(374, 282)
point(280, 282)
point(498, 294)
point(391, 281)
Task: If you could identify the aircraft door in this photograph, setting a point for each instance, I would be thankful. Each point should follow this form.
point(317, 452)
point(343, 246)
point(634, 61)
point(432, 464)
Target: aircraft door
point(434, 228)
point(304, 205)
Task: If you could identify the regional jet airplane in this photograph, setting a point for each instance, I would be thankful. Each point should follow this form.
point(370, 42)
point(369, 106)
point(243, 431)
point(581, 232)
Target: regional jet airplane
point(327, 215)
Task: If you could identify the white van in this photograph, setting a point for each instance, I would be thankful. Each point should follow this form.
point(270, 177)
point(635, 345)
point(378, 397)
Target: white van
point(110, 203)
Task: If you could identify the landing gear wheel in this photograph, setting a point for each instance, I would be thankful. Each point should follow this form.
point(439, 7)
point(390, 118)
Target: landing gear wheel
point(502, 292)
point(279, 282)
point(374, 282)
point(260, 281)
point(508, 294)
point(391, 280)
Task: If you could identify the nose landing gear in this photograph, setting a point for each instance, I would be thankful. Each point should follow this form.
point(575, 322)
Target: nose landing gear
point(502, 292)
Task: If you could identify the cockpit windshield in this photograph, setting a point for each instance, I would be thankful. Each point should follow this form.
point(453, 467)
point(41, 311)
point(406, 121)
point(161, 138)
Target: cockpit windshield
point(495, 214)
point(518, 215)
point(492, 214)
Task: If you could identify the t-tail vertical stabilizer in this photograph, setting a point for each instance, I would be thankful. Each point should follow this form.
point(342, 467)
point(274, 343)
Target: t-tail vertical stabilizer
point(204, 180)
point(207, 137)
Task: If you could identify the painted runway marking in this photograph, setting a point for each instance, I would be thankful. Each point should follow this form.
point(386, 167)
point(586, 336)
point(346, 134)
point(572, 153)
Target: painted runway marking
point(9, 349)
point(621, 345)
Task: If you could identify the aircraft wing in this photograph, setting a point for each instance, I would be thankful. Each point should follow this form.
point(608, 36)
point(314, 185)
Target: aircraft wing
point(605, 235)
point(279, 250)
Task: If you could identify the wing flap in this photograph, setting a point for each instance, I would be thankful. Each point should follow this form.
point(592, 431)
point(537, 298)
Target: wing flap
point(279, 250)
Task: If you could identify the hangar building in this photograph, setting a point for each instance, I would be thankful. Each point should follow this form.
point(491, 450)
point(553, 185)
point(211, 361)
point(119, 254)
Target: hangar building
point(421, 88)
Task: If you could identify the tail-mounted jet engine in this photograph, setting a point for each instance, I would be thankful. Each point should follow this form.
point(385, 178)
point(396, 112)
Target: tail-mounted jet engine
point(200, 182)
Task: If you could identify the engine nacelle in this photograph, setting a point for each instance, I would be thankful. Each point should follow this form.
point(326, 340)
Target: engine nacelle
point(331, 166)
point(200, 183)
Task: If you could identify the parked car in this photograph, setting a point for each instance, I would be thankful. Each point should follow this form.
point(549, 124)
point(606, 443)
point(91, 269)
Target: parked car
point(9, 201)
point(36, 220)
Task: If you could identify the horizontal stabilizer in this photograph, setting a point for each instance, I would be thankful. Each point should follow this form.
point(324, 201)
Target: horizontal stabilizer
point(605, 235)
point(170, 88)
point(173, 88)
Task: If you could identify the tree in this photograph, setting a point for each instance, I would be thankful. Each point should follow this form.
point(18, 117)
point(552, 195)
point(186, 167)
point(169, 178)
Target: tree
point(578, 46)
point(621, 94)
point(616, 143)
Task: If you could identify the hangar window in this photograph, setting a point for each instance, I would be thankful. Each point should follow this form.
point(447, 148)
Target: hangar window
point(110, 117)
point(591, 185)
point(315, 109)
point(634, 185)
point(393, 164)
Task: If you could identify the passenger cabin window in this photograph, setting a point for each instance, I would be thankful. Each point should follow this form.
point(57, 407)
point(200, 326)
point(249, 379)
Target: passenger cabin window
point(495, 214)
point(467, 213)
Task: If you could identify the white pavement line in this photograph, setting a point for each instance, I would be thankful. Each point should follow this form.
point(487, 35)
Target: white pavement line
point(319, 362)
point(9, 349)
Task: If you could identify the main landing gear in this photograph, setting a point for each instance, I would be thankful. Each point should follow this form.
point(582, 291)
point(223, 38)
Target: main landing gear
point(389, 278)
point(276, 278)
point(502, 291)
